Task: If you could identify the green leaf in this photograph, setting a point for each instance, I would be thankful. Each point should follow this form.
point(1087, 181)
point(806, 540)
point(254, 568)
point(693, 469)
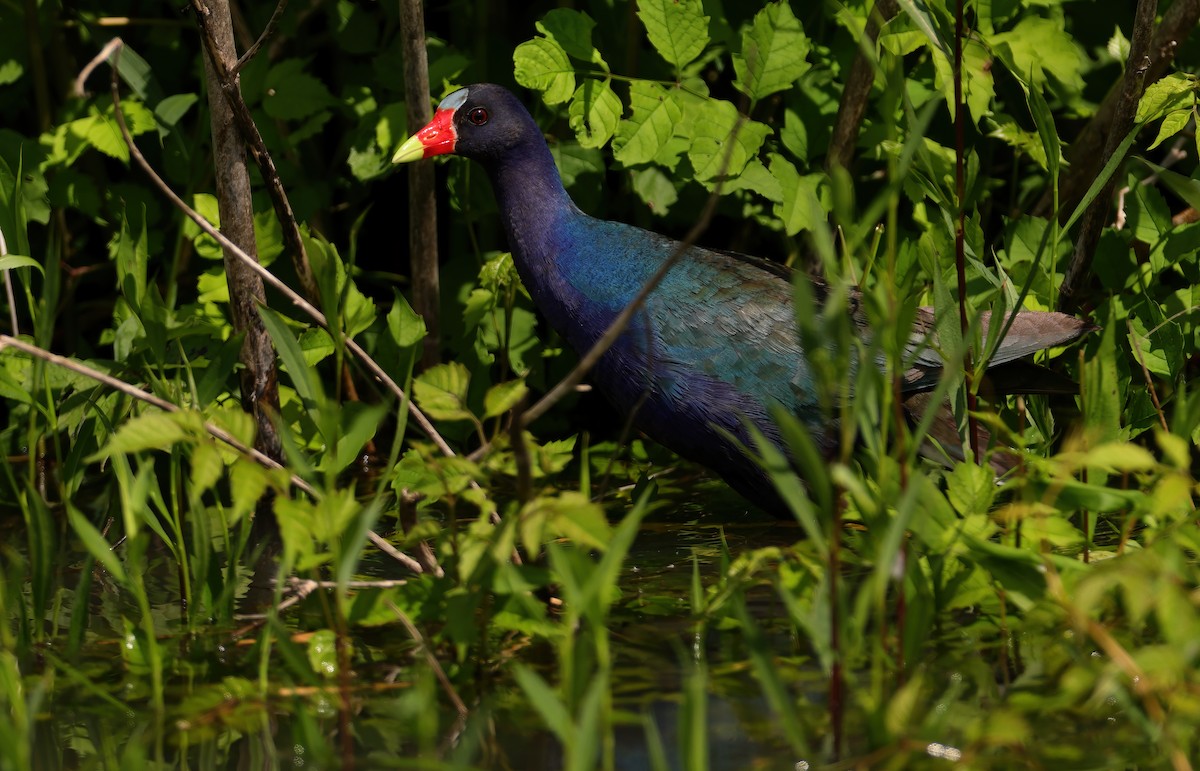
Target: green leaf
point(678, 29)
point(979, 88)
point(304, 379)
point(655, 188)
point(542, 64)
point(801, 207)
point(101, 131)
point(292, 94)
point(774, 53)
point(441, 391)
point(132, 256)
point(1171, 125)
point(594, 113)
point(247, 483)
point(323, 654)
point(152, 431)
point(1037, 48)
point(94, 542)
point(710, 124)
point(572, 30)
point(918, 14)
point(207, 467)
point(11, 261)
point(1164, 96)
point(554, 713)
point(170, 110)
point(654, 115)
point(405, 325)
point(502, 397)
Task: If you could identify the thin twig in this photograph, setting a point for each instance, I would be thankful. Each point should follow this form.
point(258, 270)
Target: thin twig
point(144, 396)
point(371, 365)
point(267, 32)
point(1085, 154)
point(302, 587)
point(299, 301)
point(433, 662)
point(231, 87)
point(88, 68)
point(1096, 216)
point(8, 288)
point(856, 94)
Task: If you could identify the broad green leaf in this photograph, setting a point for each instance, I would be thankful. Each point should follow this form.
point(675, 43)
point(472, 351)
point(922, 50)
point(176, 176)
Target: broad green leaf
point(655, 188)
point(405, 325)
point(711, 124)
point(678, 29)
point(292, 94)
point(971, 488)
point(359, 423)
point(774, 53)
point(11, 71)
point(542, 65)
point(170, 110)
point(441, 391)
point(502, 397)
point(1038, 48)
point(979, 88)
point(1119, 457)
point(247, 483)
point(757, 179)
point(151, 431)
point(316, 344)
point(801, 207)
point(102, 132)
point(132, 255)
point(1118, 46)
point(654, 115)
point(1164, 96)
point(323, 654)
point(207, 467)
point(572, 30)
point(594, 113)
point(1171, 125)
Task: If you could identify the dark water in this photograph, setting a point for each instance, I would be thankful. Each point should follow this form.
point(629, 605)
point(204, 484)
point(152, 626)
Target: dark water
point(96, 711)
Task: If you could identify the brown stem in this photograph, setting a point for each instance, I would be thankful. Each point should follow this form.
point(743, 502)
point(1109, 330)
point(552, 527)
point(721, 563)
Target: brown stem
point(1132, 86)
point(259, 384)
point(422, 206)
point(857, 92)
point(225, 80)
point(267, 33)
point(1086, 153)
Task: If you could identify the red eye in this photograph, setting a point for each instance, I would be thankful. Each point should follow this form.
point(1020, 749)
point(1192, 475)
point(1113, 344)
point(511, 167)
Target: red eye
point(478, 116)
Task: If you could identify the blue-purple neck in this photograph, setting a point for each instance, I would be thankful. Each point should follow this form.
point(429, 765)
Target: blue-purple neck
point(533, 202)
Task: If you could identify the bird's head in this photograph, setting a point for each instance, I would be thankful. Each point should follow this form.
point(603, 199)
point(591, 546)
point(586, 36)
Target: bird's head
point(482, 121)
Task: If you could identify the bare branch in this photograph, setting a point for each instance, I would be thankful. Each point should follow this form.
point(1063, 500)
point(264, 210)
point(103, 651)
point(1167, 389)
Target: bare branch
point(8, 289)
point(1132, 87)
point(267, 32)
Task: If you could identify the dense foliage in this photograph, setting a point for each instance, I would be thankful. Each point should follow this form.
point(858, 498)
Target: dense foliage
point(910, 614)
